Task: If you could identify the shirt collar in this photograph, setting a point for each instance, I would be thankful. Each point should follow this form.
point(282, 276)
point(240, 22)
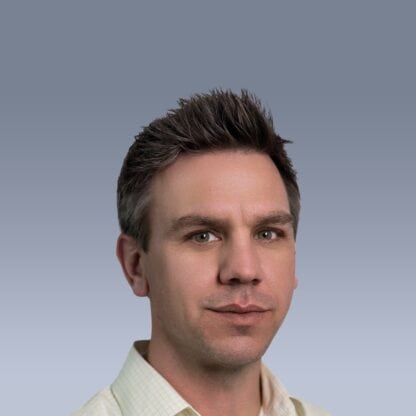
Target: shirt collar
point(140, 389)
point(275, 399)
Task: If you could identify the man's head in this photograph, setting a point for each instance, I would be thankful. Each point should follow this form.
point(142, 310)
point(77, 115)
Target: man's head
point(208, 206)
point(220, 120)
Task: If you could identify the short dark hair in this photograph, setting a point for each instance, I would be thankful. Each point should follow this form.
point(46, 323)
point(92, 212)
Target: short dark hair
point(218, 120)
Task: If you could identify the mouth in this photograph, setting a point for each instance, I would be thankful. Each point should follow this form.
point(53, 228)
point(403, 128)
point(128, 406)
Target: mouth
point(239, 309)
point(241, 315)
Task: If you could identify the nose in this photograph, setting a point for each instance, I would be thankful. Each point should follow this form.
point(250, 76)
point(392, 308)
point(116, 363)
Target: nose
point(240, 264)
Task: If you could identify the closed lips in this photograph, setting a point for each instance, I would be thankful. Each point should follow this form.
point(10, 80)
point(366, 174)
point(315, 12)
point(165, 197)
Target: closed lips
point(235, 308)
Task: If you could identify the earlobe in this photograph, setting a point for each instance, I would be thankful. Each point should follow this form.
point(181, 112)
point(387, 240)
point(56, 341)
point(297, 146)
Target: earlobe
point(130, 258)
point(296, 282)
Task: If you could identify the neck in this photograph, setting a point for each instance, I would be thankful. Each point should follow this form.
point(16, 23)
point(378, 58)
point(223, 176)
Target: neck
point(211, 390)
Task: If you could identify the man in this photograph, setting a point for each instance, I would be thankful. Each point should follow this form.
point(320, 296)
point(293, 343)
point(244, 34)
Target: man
point(208, 206)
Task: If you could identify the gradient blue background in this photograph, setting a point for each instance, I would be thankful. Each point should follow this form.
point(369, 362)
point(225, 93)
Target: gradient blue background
point(79, 79)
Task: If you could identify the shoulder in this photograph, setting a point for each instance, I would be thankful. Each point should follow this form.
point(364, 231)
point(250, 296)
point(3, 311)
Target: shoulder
point(307, 409)
point(102, 404)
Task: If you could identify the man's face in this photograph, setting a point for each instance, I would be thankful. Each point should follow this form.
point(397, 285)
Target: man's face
point(221, 261)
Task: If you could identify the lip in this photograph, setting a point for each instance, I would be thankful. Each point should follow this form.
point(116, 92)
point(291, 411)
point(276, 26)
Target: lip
point(238, 315)
point(239, 309)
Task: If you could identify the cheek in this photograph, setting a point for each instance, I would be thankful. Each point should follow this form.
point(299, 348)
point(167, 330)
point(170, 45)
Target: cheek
point(281, 262)
point(280, 274)
point(192, 268)
point(181, 274)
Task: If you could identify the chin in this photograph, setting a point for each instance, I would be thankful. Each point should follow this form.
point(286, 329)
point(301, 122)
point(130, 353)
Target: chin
point(233, 355)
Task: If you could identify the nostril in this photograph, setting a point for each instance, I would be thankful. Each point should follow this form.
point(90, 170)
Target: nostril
point(239, 281)
point(234, 281)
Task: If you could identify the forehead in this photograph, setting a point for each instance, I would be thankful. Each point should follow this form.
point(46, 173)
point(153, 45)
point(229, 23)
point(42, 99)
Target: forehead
point(220, 184)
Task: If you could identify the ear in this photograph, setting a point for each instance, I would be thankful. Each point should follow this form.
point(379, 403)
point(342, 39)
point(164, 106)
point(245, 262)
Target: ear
point(130, 257)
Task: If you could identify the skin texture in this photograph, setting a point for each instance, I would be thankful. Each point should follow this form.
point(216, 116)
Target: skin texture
point(219, 272)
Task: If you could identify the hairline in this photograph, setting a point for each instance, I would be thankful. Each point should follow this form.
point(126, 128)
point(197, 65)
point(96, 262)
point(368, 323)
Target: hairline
point(149, 200)
point(204, 123)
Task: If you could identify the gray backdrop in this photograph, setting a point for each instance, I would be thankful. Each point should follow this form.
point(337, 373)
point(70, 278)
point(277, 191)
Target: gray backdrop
point(79, 79)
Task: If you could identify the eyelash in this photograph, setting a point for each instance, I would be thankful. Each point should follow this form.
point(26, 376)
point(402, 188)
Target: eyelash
point(279, 233)
point(193, 236)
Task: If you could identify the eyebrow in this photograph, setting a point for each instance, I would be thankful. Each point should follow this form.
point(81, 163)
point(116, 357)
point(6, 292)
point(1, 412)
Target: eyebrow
point(195, 220)
point(279, 217)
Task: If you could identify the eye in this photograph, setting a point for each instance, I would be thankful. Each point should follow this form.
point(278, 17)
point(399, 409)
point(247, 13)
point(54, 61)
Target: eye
point(204, 237)
point(267, 235)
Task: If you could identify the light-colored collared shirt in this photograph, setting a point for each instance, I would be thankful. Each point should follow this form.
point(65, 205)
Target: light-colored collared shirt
point(140, 390)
